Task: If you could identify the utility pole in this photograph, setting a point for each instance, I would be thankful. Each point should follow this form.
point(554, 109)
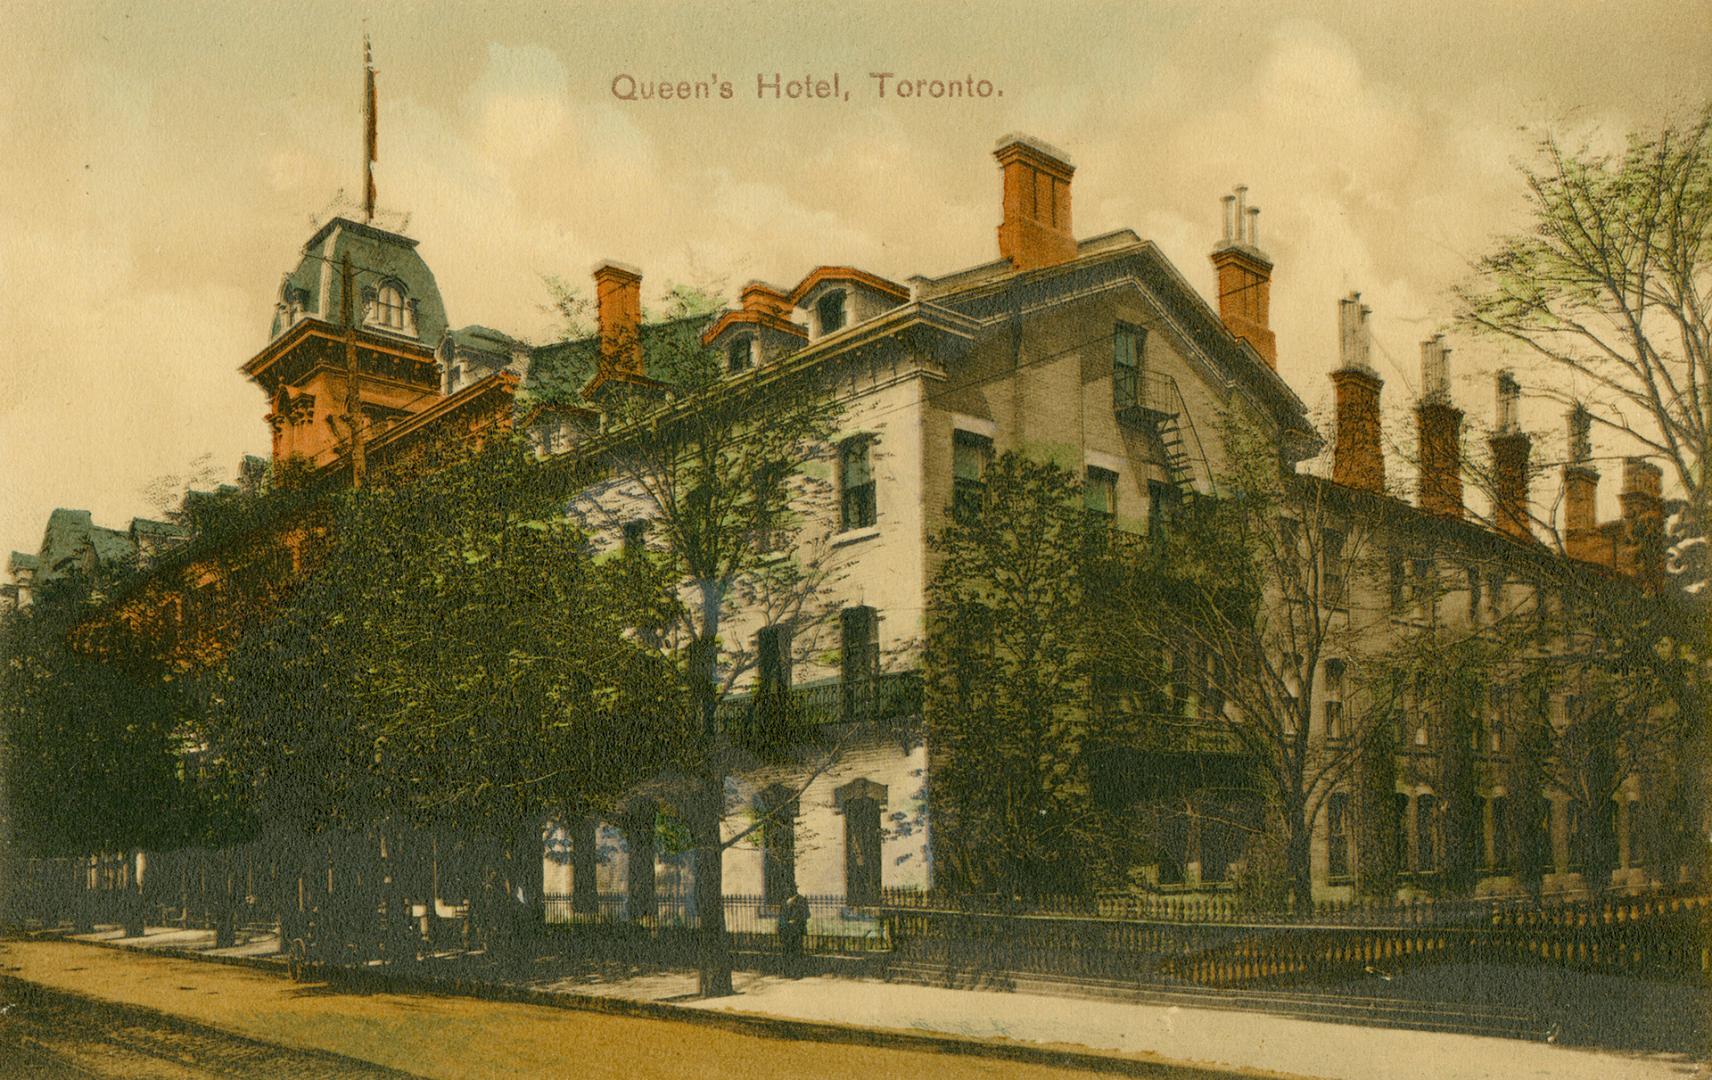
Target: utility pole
point(353, 399)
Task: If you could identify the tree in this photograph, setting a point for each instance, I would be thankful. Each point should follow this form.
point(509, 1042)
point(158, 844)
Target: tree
point(1252, 594)
point(1008, 672)
point(88, 741)
point(717, 471)
point(1609, 291)
point(430, 672)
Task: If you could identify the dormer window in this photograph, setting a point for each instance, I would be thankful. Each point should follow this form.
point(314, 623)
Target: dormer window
point(739, 354)
point(389, 307)
point(829, 310)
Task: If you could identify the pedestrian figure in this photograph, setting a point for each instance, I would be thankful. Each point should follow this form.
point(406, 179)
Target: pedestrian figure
point(793, 925)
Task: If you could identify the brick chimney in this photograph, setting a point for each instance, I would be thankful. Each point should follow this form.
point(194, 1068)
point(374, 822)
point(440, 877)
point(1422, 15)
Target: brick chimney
point(763, 299)
point(1510, 447)
point(1581, 490)
point(1440, 434)
point(1642, 501)
point(618, 302)
point(1036, 228)
point(1358, 460)
point(1245, 278)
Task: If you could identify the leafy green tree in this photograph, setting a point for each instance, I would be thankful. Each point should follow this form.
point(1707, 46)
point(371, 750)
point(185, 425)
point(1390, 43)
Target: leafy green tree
point(88, 741)
point(717, 470)
point(458, 660)
point(1252, 592)
point(1008, 672)
point(1605, 293)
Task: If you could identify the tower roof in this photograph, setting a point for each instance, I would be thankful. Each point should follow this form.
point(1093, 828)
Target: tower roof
point(378, 256)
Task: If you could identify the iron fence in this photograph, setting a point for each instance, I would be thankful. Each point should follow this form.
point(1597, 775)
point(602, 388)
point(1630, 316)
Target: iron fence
point(750, 920)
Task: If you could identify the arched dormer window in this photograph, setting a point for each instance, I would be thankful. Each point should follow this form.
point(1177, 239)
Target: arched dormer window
point(829, 310)
point(389, 306)
point(740, 354)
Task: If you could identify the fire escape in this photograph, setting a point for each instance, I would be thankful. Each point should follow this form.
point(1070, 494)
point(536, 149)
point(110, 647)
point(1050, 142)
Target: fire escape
point(1153, 401)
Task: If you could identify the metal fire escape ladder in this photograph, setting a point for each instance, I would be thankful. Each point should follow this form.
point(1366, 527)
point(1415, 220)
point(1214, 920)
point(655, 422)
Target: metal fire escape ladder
point(1157, 403)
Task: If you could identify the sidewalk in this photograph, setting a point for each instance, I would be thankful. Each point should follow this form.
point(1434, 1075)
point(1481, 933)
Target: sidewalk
point(1244, 1041)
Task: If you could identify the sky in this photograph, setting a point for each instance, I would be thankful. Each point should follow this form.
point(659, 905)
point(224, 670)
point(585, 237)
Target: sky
point(167, 160)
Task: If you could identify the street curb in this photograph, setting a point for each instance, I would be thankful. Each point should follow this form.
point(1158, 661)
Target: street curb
point(760, 1024)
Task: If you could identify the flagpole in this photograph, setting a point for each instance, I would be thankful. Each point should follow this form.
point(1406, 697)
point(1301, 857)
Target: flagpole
point(370, 133)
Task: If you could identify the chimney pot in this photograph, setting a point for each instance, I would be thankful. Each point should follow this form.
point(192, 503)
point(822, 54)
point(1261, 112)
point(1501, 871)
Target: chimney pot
point(1245, 280)
point(1439, 434)
point(1357, 457)
point(1511, 448)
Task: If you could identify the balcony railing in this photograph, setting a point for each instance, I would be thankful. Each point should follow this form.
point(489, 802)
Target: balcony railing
point(892, 698)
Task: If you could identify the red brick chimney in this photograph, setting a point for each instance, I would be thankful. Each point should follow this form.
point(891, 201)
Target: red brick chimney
point(1358, 460)
point(1245, 278)
point(1642, 500)
point(763, 299)
point(1510, 447)
point(1036, 227)
point(618, 301)
point(1581, 491)
point(1440, 434)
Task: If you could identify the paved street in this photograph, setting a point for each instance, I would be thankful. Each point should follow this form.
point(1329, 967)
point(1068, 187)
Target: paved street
point(257, 1024)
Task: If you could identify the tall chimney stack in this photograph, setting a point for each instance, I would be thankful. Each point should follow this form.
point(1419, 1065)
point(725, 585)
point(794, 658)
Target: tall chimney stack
point(1245, 278)
point(1642, 501)
point(1035, 231)
point(1510, 447)
point(1581, 490)
point(1439, 440)
point(618, 304)
point(1358, 460)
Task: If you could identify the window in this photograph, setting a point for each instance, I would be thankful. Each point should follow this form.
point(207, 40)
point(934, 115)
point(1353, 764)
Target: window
point(1213, 702)
point(861, 850)
point(389, 306)
point(771, 506)
point(830, 311)
point(1400, 830)
point(1639, 833)
point(1394, 565)
point(635, 535)
point(1183, 689)
point(1331, 570)
point(1494, 594)
point(1499, 857)
point(1291, 674)
point(859, 658)
point(1427, 834)
point(1422, 582)
point(1129, 353)
point(1577, 818)
point(1100, 493)
point(1496, 701)
point(1336, 723)
point(1162, 501)
point(856, 483)
point(777, 809)
point(1337, 835)
point(1473, 595)
point(970, 456)
point(773, 658)
point(1289, 539)
point(739, 354)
